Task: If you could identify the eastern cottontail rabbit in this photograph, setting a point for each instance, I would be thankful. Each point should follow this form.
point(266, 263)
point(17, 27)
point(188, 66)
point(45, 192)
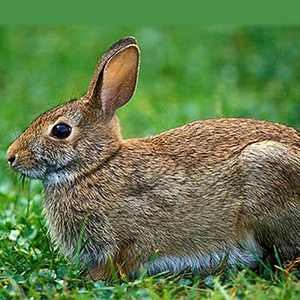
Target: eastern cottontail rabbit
point(213, 190)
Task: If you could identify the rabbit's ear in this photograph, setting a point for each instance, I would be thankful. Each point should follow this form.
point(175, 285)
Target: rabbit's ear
point(115, 77)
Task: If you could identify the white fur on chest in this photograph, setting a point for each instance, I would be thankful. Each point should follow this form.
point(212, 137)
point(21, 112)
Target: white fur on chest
point(58, 178)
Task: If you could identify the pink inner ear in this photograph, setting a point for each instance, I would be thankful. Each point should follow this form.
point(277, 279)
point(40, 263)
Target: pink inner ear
point(119, 79)
point(108, 98)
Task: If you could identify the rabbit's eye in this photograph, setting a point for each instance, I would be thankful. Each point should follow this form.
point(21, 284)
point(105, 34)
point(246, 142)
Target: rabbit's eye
point(61, 131)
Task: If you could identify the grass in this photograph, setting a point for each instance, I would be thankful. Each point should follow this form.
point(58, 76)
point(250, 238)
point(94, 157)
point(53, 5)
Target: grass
point(186, 74)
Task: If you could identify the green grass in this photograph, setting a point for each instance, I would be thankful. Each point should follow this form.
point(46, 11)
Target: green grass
point(186, 74)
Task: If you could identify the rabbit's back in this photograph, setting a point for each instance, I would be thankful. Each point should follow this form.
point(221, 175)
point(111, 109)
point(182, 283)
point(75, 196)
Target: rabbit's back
point(215, 140)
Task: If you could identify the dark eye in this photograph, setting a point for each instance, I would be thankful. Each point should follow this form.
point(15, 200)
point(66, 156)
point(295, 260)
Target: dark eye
point(61, 131)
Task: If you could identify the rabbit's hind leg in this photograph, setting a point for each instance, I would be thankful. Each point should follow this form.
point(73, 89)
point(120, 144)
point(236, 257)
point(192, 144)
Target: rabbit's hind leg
point(270, 174)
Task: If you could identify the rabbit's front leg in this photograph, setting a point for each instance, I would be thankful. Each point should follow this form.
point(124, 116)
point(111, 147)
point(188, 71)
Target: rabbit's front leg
point(99, 272)
point(123, 265)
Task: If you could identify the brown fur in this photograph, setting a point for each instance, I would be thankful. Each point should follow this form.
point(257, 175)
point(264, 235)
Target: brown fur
point(194, 189)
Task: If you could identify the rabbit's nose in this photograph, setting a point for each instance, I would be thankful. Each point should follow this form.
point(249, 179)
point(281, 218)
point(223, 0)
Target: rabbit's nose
point(12, 153)
point(11, 159)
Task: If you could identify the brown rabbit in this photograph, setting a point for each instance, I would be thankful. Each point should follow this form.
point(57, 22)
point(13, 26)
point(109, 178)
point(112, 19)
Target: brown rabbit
point(209, 191)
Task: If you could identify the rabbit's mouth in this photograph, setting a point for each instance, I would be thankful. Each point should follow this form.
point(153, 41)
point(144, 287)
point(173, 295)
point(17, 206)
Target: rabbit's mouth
point(21, 166)
point(48, 178)
point(30, 173)
point(23, 162)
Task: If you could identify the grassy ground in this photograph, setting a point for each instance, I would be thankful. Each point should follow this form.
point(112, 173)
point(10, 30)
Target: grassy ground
point(186, 74)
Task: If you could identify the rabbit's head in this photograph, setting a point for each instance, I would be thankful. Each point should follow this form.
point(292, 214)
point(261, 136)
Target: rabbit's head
point(78, 136)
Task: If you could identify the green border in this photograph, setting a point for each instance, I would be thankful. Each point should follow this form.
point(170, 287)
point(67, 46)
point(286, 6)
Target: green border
point(150, 13)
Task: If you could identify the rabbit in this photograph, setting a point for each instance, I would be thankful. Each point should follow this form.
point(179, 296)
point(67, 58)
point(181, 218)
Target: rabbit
point(211, 192)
